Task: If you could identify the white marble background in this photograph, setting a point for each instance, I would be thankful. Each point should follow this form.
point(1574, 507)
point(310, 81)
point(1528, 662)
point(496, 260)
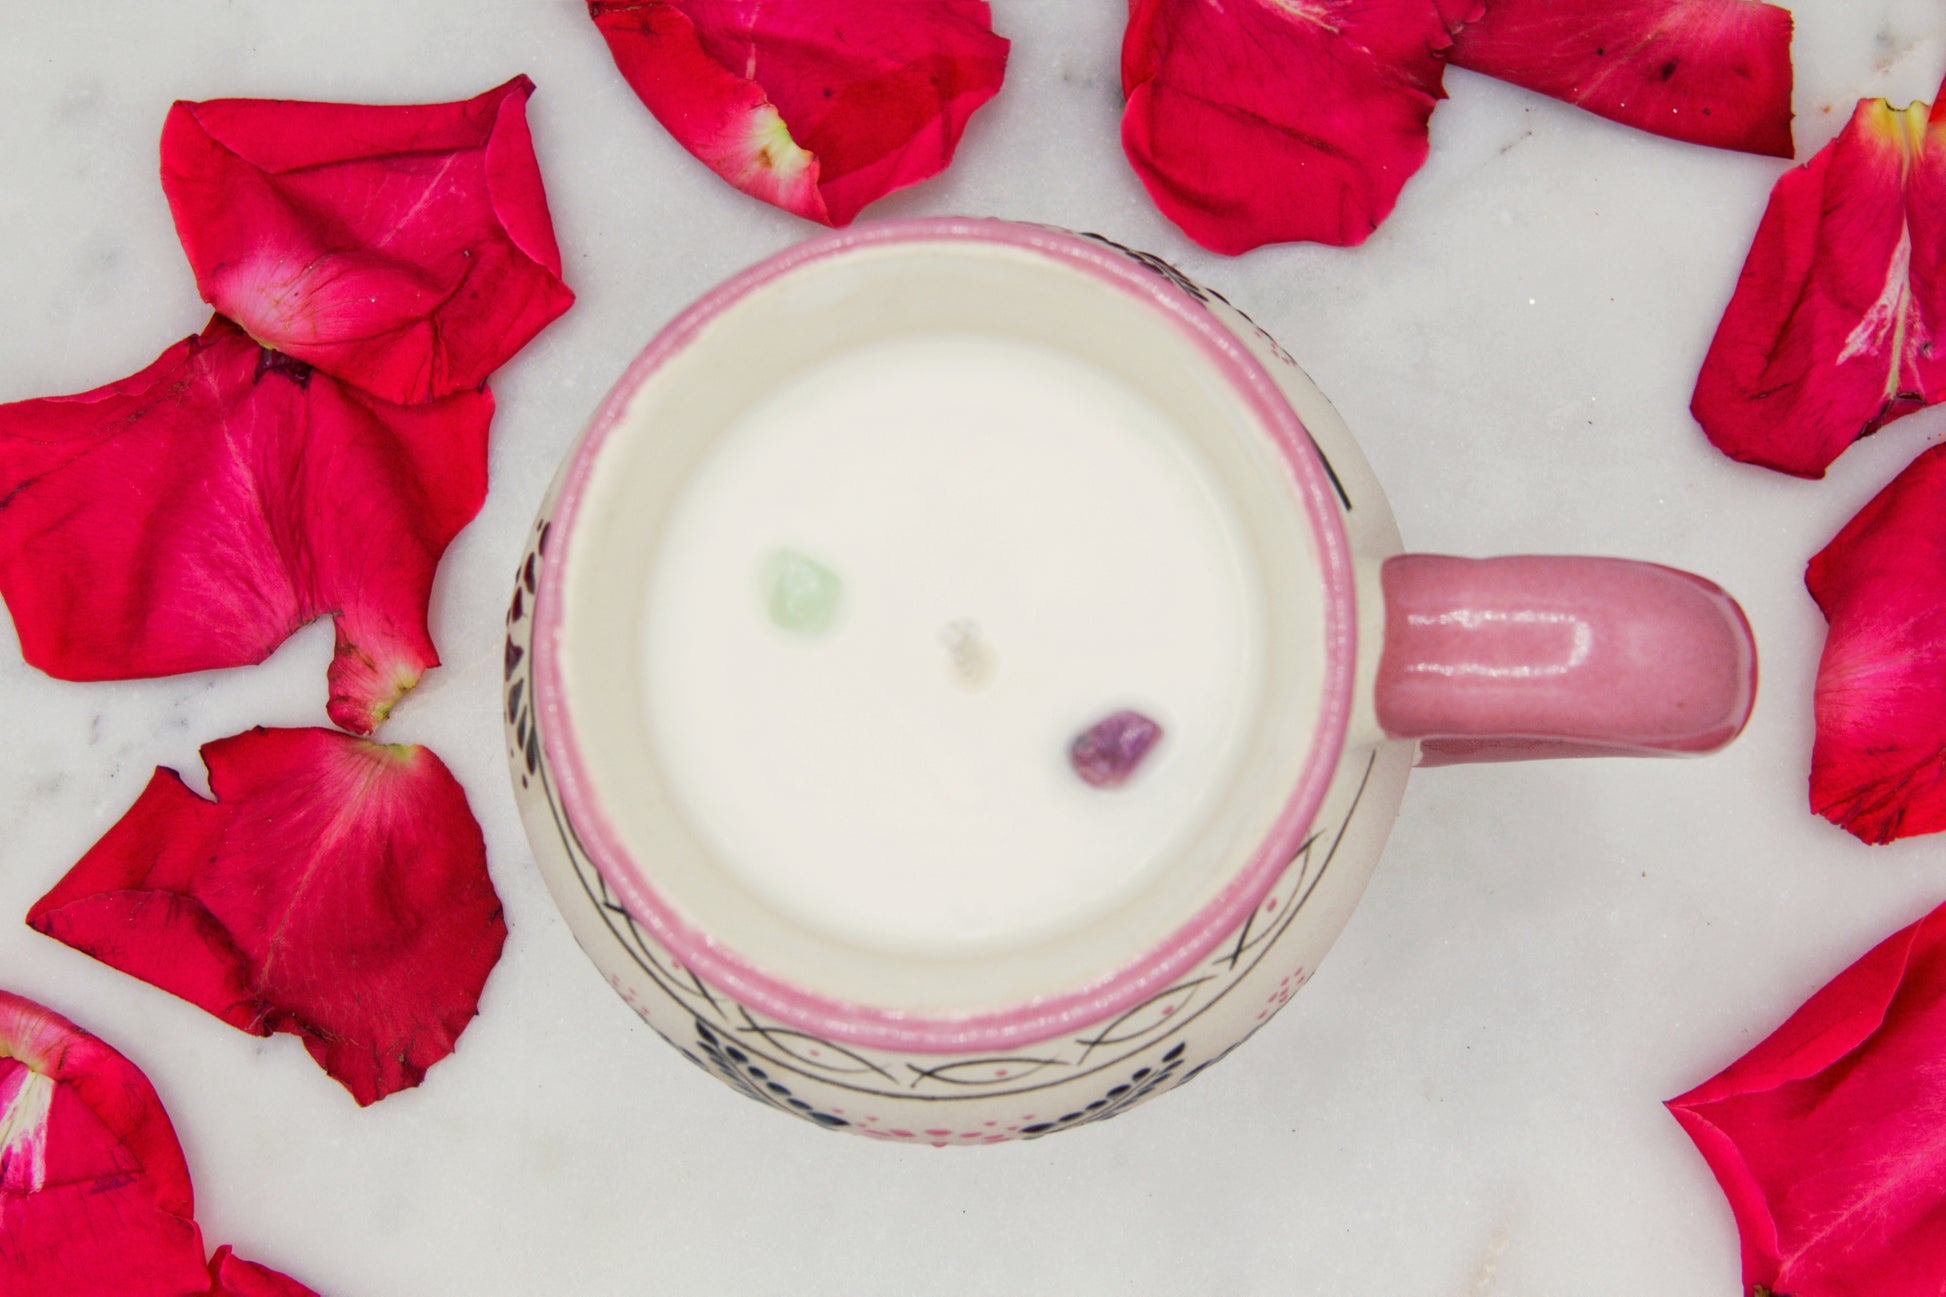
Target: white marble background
point(1465, 1101)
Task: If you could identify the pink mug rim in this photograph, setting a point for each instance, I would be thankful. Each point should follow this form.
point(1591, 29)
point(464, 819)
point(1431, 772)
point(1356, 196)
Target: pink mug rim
point(1042, 1017)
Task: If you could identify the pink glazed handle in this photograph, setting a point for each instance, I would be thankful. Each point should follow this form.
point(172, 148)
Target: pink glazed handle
point(1509, 659)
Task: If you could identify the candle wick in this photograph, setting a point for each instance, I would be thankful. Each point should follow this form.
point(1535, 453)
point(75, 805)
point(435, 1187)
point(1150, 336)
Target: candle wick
point(970, 660)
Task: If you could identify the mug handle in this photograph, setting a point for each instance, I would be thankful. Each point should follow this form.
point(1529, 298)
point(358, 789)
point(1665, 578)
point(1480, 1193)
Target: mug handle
point(1528, 656)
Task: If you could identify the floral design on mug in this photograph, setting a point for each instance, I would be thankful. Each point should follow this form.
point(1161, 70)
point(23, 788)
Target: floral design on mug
point(731, 1064)
point(1141, 1084)
point(1208, 297)
point(1156, 265)
point(519, 686)
point(1147, 1017)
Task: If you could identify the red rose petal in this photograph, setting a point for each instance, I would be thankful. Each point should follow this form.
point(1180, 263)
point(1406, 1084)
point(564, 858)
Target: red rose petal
point(231, 1276)
point(336, 889)
point(819, 108)
point(1714, 72)
point(407, 250)
point(1878, 764)
point(1826, 1137)
point(194, 515)
point(1829, 335)
point(1262, 121)
point(94, 1196)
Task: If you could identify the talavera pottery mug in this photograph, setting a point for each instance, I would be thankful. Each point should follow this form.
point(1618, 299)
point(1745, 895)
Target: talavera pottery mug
point(1368, 661)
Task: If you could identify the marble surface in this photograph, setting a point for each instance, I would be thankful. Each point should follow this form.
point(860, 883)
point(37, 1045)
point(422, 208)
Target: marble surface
point(1466, 1100)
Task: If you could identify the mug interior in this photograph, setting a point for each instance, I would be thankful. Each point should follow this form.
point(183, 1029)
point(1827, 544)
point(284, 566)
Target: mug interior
point(740, 346)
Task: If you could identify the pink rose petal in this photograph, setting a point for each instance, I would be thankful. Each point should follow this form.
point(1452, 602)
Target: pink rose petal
point(194, 515)
point(335, 888)
point(407, 250)
point(1830, 332)
point(1826, 1137)
point(1714, 72)
point(816, 106)
point(1263, 121)
point(94, 1195)
point(1878, 763)
point(231, 1276)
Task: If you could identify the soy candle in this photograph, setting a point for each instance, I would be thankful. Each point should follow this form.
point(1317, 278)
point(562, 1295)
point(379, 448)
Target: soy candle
point(1016, 544)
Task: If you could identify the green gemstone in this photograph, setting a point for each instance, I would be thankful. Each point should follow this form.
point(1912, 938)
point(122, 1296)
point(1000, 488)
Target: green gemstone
point(803, 593)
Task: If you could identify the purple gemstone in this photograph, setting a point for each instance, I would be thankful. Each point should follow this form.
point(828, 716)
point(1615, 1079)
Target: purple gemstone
point(1108, 752)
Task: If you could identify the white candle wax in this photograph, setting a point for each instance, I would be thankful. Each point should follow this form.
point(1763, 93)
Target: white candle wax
point(1023, 546)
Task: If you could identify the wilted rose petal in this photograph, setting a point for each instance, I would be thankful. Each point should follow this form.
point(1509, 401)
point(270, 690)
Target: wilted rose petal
point(94, 1196)
point(1826, 1137)
point(1878, 763)
point(335, 888)
point(817, 106)
point(1830, 333)
point(1262, 121)
point(231, 1276)
point(1714, 72)
point(196, 514)
point(405, 249)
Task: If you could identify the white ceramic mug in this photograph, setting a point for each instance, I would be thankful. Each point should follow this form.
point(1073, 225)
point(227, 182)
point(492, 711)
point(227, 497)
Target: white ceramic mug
point(1371, 661)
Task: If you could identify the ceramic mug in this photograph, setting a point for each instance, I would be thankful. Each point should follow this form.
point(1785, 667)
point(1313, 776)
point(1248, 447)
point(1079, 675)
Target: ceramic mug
point(1376, 661)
